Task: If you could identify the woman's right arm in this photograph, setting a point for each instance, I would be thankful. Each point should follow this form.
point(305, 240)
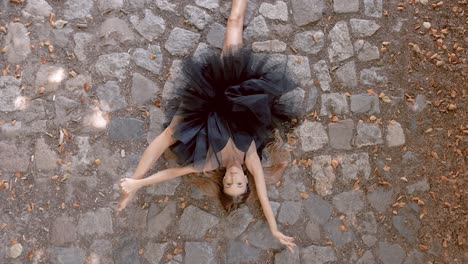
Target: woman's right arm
point(155, 149)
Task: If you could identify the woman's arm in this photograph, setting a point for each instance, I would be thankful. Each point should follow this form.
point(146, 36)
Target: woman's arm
point(254, 165)
point(155, 149)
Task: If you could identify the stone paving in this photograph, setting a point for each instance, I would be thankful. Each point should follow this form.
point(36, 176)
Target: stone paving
point(80, 97)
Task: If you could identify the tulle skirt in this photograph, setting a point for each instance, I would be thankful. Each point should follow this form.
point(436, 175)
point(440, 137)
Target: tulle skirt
point(234, 96)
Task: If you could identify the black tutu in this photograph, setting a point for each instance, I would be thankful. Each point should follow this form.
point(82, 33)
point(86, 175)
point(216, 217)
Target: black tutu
point(235, 97)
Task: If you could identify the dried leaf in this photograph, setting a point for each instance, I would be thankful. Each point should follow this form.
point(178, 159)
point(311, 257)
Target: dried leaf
point(41, 90)
point(356, 185)
point(97, 162)
point(435, 155)
point(177, 251)
point(386, 168)
point(304, 195)
point(370, 91)
point(342, 228)
point(335, 163)
point(72, 74)
point(66, 177)
point(152, 56)
point(55, 177)
point(423, 247)
point(452, 107)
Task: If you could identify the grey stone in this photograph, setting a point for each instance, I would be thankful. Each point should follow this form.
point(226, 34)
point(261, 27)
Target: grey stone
point(380, 199)
point(156, 123)
point(198, 252)
point(259, 235)
point(395, 135)
point(257, 29)
point(208, 4)
point(115, 31)
point(322, 173)
point(372, 76)
point(420, 186)
point(373, 8)
point(288, 257)
point(181, 41)
point(143, 89)
point(345, 6)
point(309, 42)
point(164, 188)
point(71, 255)
point(78, 9)
point(289, 212)
point(16, 250)
point(275, 207)
point(37, 8)
point(150, 59)
point(110, 99)
point(367, 223)
point(334, 103)
point(126, 251)
point(13, 158)
point(150, 27)
point(269, 46)
point(312, 98)
point(113, 65)
point(407, 226)
point(235, 223)
point(63, 231)
point(98, 222)
point(299, 68)
point(64, 109)
point(390, 253)
point(202, 51)
point(158, 222)
point(9, 130)
point(318, 255)
point(291, 185)
point(312, 136)
point(368, 134)
point(367, 258)
point(307, 11)
point(363, 28)
point(365, 51)
point(349, 203)
point(82, 41)
point(340, 47)
point(278, 11)
point(354, 166)
point(313, 231)
point(435, 248)
point(50, 77)
point(61, 37)
point(365, 103)
point(175, 80)
point(194, 222)
point(126, 129)
point(318, 210)
point(414, 257)
point(36, 109)
point(101, 251)
point(165, 5)
point(420, 103)
point(239, 252)
point(323, 75)
point(197, 16)
point(154, 252)
point(9, 93)
point(369, 240)
point(215, 36)
point(292, 102)
point(346, 74)
point(45, 158)
point(341, 133)
point(283, 31)
point(339, 238)
point(105, 5)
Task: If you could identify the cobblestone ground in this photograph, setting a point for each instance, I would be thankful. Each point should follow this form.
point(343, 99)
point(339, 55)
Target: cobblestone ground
point(79, 100)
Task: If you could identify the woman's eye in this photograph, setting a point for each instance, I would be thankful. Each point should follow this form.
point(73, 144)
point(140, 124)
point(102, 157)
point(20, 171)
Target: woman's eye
point(239, 184)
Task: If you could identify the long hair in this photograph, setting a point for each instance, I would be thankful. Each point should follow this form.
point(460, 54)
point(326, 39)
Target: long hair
point(212, 183)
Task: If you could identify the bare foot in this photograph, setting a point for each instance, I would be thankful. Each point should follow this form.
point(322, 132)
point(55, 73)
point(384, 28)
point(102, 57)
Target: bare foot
point(128, 189)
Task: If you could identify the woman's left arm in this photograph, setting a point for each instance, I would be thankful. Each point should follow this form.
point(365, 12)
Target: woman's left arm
point(254, 165)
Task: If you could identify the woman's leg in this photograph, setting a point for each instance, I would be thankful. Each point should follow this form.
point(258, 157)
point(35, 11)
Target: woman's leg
point(235, 24)
point(152, 153)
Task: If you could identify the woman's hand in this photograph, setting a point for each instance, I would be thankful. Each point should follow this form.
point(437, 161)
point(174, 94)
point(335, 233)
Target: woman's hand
point(285, 240)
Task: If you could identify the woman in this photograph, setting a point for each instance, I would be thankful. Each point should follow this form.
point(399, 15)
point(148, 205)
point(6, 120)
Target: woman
point(222, 120)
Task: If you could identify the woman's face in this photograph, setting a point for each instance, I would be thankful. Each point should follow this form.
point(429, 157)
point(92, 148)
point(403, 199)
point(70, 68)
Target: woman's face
point(234, 181)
